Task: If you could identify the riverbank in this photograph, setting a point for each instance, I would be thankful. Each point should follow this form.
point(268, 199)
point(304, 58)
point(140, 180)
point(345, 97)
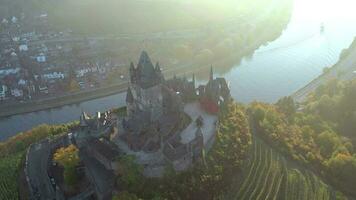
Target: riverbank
point(73, 98)
point(53, 102)
point(343, 69)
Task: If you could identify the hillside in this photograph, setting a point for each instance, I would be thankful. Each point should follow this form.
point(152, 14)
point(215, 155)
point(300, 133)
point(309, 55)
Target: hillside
point(268, 175)
point(137, 16)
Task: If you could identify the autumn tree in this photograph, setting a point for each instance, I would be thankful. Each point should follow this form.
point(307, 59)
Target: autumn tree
point(68, 158)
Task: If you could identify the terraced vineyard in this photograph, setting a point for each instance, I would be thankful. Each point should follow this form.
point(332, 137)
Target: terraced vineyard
point(8, 174)
point(268, 176)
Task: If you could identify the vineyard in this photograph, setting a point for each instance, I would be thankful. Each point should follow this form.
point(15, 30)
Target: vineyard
point(268, 176)
point(9, 176)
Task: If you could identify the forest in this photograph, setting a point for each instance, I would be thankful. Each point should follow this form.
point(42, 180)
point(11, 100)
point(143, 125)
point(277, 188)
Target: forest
point(318, 133)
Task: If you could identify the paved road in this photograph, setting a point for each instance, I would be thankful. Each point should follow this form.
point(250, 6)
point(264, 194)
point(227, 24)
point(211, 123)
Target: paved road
point(347, 66)
point(37, 171)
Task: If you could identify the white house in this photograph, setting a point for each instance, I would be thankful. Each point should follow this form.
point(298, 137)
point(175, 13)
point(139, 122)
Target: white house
point(16, 92)
point(4, 21)
point(5, 72)
point(21, 82)
point(3, 90)
point(41, 58)
point(14, 19)
point(54, 75)
point(23, 47)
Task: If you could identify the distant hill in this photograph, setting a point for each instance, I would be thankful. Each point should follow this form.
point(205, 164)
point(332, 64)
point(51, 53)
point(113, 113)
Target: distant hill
point(134, 16)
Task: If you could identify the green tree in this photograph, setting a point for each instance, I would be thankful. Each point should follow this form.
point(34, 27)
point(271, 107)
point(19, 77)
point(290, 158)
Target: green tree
point(287, 106)
point(130, 173)
point(125, 196)
point(68, 158)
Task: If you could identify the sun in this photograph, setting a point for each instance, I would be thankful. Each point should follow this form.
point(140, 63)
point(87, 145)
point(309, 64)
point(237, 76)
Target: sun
point(325, 10)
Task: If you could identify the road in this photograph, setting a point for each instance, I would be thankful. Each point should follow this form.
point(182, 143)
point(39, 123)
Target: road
point(37, 165)
point(343, 70)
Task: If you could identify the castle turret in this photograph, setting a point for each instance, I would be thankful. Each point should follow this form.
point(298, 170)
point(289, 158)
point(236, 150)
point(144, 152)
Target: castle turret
point(129, 96)
point(84, 119)
point(147, 76)
point(158, 68)
point(132, 73)
point(129, 102)
point(193, 80)
point(159, 72)
point(211, 78)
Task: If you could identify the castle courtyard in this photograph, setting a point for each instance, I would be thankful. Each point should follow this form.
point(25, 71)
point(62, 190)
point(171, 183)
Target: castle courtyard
point(194, 110)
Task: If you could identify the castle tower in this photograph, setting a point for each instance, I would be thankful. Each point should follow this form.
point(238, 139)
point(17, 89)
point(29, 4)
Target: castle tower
point(132, 73)
point(159, 71)
point(145, 89)
point(129, 102)
point(211, 78)
point(193, 80)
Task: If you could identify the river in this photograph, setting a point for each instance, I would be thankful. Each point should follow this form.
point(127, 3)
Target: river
point(275, 70)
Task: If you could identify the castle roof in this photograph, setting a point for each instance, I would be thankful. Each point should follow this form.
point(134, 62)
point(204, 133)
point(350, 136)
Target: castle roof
point(129, 96)
point(148, 76)
point(103, 148)
point(157, 68)
point(84, 117)
point(199, 133)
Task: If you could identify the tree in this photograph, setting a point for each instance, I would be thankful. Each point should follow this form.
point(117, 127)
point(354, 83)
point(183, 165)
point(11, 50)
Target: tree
point(130, 172)
point(287, 106)
point(73, 86)
point(68, 158)
point(343, 166)
point(125, 196)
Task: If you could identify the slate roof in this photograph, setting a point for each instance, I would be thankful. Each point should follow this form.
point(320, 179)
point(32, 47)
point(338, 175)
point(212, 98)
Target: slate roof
point(147, 75)
point(129, 96)
point(103, 148)
point(174, 153)
point(84, 118)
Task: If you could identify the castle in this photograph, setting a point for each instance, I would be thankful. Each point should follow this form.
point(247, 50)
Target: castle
point(167, 122)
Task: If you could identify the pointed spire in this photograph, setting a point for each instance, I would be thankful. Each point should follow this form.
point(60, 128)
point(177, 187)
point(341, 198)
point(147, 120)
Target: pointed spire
point(129, 96)
point(158, 68)
point(132, 66)
point(198, 133)
point(193, 79)
point(83, 119)
point(211, 73)
point(145, 60)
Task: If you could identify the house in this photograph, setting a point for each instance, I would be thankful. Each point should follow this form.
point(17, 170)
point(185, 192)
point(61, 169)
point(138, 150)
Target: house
point(53, 75)
point(23, 47)
point(16, 92)
point(43, 89)
point(9, 71)
point(3, 90)
point(41, 58)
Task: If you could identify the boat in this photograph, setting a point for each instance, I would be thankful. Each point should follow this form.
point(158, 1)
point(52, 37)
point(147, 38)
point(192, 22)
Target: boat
point(322, 28)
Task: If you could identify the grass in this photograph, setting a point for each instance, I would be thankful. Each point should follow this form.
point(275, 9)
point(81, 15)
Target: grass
point(9, 168)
